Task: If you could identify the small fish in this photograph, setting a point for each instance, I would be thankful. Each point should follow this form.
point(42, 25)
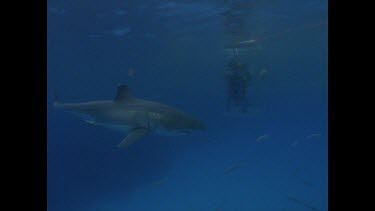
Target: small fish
point(314, 135)
point(56, 11)
point(120, 12)
point(161, 181)
point(263, 73)
point(294, 143)
point(216, 209)
point(307, 183)
point(131, 72)
point(234, 167)
point(149, 35)
point(120, 31)
point(297, 171)
point(305, 204)
point(95, 35)
point(262, 138)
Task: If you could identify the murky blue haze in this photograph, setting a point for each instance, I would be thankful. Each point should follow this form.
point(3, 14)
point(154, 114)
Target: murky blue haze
point(173, 51)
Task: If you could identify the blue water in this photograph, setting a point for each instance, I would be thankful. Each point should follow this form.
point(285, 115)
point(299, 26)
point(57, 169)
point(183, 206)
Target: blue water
point(173, 52)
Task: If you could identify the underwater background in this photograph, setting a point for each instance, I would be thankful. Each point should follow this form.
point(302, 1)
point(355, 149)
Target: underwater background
point(272, 158)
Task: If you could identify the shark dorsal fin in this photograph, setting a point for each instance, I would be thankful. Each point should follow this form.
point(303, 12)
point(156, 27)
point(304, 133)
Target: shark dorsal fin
point(123, 93)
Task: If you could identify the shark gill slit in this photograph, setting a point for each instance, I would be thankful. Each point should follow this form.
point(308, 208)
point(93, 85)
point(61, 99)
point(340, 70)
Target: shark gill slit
point(148, 121)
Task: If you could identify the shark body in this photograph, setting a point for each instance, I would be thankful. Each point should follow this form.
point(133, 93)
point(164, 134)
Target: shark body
point(136, 116)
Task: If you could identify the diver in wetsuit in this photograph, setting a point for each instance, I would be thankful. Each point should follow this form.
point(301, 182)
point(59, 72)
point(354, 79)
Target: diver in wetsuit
point(238, 78)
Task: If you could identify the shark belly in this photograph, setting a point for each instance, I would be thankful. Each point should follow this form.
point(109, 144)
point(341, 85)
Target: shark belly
point(121, 119)
point(165, 132)
point(125, 121)
point(127, 128)
point(116, 127)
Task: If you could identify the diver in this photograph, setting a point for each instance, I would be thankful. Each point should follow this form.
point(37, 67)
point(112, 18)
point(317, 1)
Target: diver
point(238, 78)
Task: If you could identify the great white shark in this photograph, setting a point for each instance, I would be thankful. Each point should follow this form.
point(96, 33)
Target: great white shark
point(135, 116)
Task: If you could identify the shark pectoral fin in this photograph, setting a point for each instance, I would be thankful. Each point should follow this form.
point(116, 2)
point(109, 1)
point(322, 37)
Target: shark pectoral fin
point(133, 136)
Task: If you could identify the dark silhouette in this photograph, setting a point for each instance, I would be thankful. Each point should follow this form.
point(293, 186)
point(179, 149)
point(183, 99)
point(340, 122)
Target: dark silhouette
point(238, 79)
